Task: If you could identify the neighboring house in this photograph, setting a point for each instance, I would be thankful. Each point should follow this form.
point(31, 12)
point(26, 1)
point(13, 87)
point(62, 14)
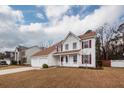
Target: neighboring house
point(29, 52)
point(10, 55)
point(23, 54)
point(73, 51)
point(20, 54)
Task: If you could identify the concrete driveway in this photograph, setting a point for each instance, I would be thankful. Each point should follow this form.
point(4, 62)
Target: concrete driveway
point(15, 70)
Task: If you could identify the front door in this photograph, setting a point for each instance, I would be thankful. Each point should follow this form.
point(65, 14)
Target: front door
point(61, 60)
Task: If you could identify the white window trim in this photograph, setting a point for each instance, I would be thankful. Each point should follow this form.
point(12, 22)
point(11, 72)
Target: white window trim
point(66, 48)
point(75, 46)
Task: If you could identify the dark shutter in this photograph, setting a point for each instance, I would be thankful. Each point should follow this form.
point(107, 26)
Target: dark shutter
point(57, 48)
point(61, 47)
point(89, 43)
point(90, 58)
point(82, 45)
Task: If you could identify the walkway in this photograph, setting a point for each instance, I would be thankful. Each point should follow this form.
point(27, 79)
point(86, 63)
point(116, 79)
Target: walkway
point(15, 70)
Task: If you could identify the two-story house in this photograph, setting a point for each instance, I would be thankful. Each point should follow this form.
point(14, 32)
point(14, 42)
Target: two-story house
point(73, 51)
point(23, 54)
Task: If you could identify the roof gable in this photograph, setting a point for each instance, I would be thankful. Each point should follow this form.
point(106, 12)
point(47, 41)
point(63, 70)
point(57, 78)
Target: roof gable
point(71, 34)
point(87, 35)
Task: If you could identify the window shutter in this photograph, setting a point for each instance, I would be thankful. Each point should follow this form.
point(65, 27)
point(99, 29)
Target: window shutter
point(89, 43)
point(57, 48)
point(90, 58)
point(61, 47)
point(82, 45)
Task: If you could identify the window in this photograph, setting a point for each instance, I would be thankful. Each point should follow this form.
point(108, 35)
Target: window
point(75, 58)
point(61, 47)
point(86, 44)
point(74, 45)
point(66, 47)
point(66, 58)
point(86, 59)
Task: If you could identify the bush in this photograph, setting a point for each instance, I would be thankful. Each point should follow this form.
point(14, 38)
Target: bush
point(13, 62)
point(98, 63)
point(45, 66)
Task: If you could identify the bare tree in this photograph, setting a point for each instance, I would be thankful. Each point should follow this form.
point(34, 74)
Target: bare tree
point(106, 33)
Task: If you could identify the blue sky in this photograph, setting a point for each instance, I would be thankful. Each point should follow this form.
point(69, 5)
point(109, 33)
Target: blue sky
point(36, 25)
point(30, 12)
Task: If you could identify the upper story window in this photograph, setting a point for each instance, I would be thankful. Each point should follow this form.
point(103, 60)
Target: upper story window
point(86, 44)
point(66, 47)
point(61, 47)
point(74, 45)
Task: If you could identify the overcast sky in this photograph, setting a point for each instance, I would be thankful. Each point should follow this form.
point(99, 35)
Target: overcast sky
point(31, 25)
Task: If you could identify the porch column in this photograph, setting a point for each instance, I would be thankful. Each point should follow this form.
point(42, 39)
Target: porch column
point(68, 59)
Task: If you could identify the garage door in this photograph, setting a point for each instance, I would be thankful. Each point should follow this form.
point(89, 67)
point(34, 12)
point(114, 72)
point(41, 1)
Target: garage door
point(38, 62)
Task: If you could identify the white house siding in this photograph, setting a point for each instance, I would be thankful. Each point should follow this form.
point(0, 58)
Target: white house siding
point(39, 61)
point(29, 52)
point(16, 55)
point(70, 40)
point(50, 60)
point(88, 51)
point(117, 63)
point(8, 61)
point(70, 62)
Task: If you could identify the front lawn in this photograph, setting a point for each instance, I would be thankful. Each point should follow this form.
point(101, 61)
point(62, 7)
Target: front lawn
point(65, 77)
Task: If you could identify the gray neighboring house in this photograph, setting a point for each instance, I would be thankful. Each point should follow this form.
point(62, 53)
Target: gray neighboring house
point(23, 54)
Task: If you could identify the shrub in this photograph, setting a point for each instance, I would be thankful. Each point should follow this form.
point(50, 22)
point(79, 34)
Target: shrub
point(45, 66)
point(98, 63)
point(13, 62)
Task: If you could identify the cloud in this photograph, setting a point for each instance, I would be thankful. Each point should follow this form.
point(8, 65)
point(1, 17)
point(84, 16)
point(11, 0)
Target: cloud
point(55, 12)
point(13, 31)
point(9, 20)
point(105, 14)
point(31, 27)
point(8, 14)
point(59, 28)
point(40, 16)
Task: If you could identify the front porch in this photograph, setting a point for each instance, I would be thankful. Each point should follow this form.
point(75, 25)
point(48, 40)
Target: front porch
point(69, 58)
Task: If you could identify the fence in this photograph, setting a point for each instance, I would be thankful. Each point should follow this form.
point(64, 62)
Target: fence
point(117, 63)
point(106, 63)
